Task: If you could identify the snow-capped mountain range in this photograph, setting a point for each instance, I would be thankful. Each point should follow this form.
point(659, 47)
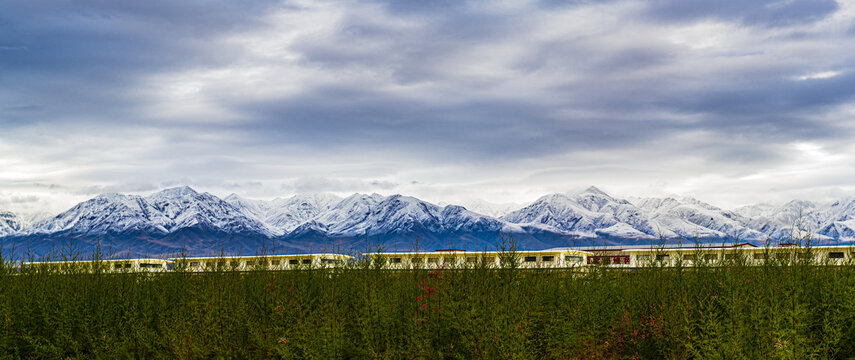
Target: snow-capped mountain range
point(160, 213)
point(183, 218)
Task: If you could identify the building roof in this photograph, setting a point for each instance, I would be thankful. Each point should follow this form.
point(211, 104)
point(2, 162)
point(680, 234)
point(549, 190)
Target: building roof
point(455, 252)
point(90, 261)
point(658, 246)
point(256, 256)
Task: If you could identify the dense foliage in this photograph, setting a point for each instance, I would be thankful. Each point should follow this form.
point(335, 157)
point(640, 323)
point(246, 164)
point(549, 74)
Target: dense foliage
point(783, 309)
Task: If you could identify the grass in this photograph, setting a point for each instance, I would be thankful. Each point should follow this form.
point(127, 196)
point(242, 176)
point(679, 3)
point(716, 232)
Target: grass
point(778, 310)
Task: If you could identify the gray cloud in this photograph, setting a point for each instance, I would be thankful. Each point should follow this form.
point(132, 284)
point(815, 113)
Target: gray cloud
point(21, 199)
point(763, 13)
point(324, 184)
point(117, 188)
point(266, 97)
point(81, 62)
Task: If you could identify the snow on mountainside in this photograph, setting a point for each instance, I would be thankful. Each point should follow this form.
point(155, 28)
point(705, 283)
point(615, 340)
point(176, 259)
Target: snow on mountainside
point(284, 215)
point(9, 223)
point(398, 213)
point(374, 214)
point(349, 215)
point(592, 212)
point(361, 215)
point(587, 213)
point(458, 219)
point(777, 221)
point(622, 230)
point(106, 213)
point(159, 213)
point(29, 219)
point(823, 221)
point(839, 220)
point(691, 218)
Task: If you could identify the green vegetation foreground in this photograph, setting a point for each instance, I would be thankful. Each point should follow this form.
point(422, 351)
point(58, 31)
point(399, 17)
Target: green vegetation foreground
point(776, 310)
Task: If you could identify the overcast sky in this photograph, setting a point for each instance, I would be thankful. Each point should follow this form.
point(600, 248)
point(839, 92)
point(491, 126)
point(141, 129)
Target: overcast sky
point(732, 102)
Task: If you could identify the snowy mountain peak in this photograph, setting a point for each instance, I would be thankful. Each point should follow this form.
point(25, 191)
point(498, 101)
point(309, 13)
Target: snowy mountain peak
point(398, 212)
point(315, 199)
point(571, 213)
point(398, 198)
point(453, 210)
point(844, 208)
point(347, 215)
point(178, 191)
point(594, 199)
point(652, 204)
point(593, 190)
point(9, 223)
point(693, 201)
point(801, 204)
point(233, 198)
point(110, 197)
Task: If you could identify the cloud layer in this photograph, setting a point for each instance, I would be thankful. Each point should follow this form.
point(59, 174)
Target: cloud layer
point(732, 102)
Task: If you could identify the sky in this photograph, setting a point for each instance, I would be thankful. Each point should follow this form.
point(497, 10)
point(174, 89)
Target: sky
point(731, 102)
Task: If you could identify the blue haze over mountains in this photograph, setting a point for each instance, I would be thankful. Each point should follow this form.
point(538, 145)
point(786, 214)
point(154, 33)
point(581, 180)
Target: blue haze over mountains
point(168, 221)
